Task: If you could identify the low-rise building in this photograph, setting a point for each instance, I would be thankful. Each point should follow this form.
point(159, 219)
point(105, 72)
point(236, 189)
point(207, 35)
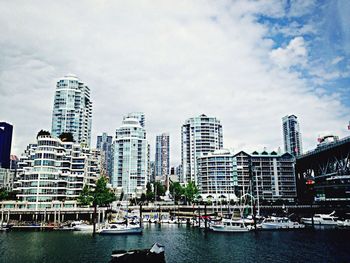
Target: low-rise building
point(268, 176)
point(217, 175)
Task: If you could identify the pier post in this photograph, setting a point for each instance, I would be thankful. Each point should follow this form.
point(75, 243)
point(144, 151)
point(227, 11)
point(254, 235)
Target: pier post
point(178, 212)
point(20, 217)
point(205, 216)
point(77, 216)
point(2, 216)
point(8, 216)
point(54, 217)
point(199, 216)
point(140, 215)
point(254, 215)
point(159, 214)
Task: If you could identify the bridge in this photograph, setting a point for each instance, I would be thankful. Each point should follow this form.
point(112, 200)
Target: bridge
point(323, 175)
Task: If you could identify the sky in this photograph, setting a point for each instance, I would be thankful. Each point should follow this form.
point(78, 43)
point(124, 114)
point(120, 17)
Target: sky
point(248, 63)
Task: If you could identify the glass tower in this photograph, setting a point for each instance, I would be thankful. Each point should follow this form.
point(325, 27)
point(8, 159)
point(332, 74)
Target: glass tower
point(130, 164)
point(5, 144)
point(104, 144)
point(292, 135)
point(162, 166)
point(72, 109)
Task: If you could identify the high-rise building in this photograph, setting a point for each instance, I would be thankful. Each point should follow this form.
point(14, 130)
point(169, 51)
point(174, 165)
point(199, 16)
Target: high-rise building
point(53, 170)
point(72, 109)
point(292, 135)
point(217, 175)
point(140, 116)
point(5, 144)
point(199, 135)
point(104, 144)
point(130, 158)
point(162, 162)
point(267, 175)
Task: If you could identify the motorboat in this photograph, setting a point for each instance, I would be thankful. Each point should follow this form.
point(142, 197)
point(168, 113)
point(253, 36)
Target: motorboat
point(274, 222)
point(172, 221)
point(81, 226)
point(344, 223)
point(155, 255)
point(116, 229)
point(321, 219)
point(230, 226)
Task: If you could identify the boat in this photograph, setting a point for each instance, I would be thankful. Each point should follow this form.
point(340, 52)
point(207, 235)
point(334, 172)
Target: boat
point(116, 229)
point(153, 255)
point(344, 223)
point(81, 226)
point(273, 222)
point(321, 219)
point(172, 221)
point(229, 226)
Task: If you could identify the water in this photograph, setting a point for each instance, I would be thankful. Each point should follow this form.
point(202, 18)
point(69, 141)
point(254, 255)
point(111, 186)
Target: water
point(182, 244)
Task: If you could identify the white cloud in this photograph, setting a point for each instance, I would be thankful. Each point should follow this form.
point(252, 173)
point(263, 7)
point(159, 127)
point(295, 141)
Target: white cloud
point(295, 53)
point(336, 60)
point(172, 60)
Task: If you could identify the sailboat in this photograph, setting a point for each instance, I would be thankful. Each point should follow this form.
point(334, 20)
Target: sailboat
point(127, 228)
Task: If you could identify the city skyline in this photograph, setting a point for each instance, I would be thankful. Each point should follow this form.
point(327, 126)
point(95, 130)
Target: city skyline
point(248, 64)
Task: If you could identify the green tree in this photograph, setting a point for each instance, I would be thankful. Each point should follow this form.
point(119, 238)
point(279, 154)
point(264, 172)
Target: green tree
point(42, 132)
point(176, 190)
point(98, 196)
point(191, 191)
point(4, 194)
point(66, 137)
point(159, 189)
point(149, 192)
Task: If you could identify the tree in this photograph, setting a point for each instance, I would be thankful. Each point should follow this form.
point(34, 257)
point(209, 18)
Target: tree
point(42, 133)
point(149, 192)
point(159, 189)
point(191, 191)
point(3, 194)
point(99, 196)
point(176, 190)
point(66, 137)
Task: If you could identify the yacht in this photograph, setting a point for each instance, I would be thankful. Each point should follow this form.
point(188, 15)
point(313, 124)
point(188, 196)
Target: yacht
point(345, 223)
point(80, 226)
point(321, 219)
point(274, 222)
point(116, 229)
point(228, 226)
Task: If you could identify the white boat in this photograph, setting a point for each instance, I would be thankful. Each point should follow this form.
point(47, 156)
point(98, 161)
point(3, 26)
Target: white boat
point(172, 221)
point(274, 222)
point(321, 219)
point(115, 229)
point(345, 223)
point(83, 227)
point(145, 219)
point(229, 226)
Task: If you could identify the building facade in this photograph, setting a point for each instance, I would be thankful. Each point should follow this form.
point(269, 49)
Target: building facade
point(104, 144)
point(217, 175)
point(162, 158)
point(199, 135)
point(52, 170)
point(72, 109)
point(268, 176)
point(6, 179)
point(292, 135)
point(130, 169)
point(5, 144)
